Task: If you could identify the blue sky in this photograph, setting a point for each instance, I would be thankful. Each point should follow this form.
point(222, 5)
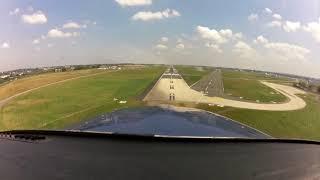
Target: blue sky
point(279, 35)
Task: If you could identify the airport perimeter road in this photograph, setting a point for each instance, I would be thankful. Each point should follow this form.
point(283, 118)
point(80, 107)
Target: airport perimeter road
point(293, 103)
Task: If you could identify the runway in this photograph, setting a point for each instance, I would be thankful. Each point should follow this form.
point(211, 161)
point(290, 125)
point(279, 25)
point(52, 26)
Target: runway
point(169, 86)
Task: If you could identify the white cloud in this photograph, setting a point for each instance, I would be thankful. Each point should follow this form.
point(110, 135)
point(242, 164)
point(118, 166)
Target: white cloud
point(73, 25)
point(253, 17)
point(164, 39)
point(274, 24)
point(286, 51)
point(219, 37)
point(277, 16)
point(5, 45)
point(226, 33)
point(35, 18)
point(161, 47)
point(290, 26)
point(14, 12)
point(243, 50)
point(37, 49)
point(261, 40)
point(124, 3)
point(75, 34)
point(36, 41)
point(30, 9)
point(314, 29)
point(238, 35)
point(267, 11)
point(210, 34)
point(56, 33)
point(50, 45)
point(179, 40)
point(214, 47)
point(281, 50)
point(149, 16)
point(180, 46)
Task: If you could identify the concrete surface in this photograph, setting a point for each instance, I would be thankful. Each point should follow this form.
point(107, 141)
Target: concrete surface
point(183, 93)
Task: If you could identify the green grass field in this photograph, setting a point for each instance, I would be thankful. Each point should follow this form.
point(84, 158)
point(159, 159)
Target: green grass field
point(251, 75)
point(27, 83)
point(64, 104)
point(247, 85)
point(303, 124)
point(192, 74)
point(237, 84)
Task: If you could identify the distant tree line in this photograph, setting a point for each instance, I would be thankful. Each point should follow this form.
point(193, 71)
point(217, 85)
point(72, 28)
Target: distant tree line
point(305, 85)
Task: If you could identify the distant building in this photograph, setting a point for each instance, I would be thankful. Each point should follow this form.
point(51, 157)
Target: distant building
point(133, 66)
point(103, 67)
point(57, 70)
point(122, 102)
point(4, 76)
point(47, 68)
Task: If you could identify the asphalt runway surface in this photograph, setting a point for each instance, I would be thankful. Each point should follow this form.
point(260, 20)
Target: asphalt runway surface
point(211, 85)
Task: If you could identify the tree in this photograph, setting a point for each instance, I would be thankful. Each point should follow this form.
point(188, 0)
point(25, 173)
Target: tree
point(303, 84)
point(296, 85)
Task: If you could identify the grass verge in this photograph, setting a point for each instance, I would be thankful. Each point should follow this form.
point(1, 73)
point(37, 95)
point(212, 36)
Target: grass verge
point(64, 104)
point(32, 82)
point(192, 74)
point(247, 86)
point(302, 124)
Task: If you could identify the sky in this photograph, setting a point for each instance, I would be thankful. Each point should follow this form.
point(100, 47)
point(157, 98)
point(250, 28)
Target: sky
point(274, 35)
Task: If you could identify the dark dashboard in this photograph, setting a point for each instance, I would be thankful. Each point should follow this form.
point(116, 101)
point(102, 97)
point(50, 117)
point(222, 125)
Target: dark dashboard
point(84, 155)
